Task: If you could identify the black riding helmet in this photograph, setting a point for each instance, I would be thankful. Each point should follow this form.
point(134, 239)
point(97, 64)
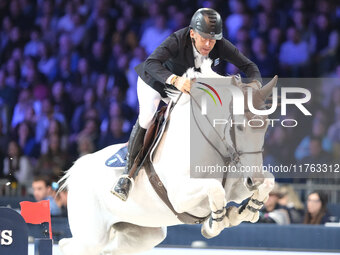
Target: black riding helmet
point(208, 23)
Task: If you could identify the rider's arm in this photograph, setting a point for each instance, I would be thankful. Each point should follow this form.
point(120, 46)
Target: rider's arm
point(233, 55)
point(154, 63)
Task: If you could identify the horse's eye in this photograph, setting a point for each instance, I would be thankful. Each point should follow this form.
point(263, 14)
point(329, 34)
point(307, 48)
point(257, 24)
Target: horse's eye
point(239, 127)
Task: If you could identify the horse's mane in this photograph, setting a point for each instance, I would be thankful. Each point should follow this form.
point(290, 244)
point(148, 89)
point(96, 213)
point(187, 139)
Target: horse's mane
point(191, 73)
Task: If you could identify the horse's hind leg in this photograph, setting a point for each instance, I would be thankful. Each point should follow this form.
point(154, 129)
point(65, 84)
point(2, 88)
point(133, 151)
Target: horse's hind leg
point(133, 239)
point(72, 246)
point(89, 229)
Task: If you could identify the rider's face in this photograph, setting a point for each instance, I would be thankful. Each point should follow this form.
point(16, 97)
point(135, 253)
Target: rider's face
point(203, 45)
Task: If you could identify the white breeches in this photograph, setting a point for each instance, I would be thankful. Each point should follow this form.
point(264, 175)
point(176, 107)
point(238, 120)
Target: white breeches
point(148, 102)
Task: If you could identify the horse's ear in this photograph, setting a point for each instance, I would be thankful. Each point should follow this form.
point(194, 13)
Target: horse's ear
point(266, 90)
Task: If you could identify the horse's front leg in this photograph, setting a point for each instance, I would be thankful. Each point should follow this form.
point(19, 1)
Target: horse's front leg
point(187, 196)
point(250, 210)
point(217, 220)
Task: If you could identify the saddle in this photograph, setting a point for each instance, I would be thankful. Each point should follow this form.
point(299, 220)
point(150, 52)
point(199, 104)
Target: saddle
point(150, 139)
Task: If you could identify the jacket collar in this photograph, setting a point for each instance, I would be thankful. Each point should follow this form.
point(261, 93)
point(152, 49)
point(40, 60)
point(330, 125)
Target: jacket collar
point(189, 54)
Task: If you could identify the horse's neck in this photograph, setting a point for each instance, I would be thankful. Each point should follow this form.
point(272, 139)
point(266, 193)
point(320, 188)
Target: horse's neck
point(183, 133)
point(212, 131)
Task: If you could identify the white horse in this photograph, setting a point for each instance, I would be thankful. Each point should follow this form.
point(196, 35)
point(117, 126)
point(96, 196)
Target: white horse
point(103, 224)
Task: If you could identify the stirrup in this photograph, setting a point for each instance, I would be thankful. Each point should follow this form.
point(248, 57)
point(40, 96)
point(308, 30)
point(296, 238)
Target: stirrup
point(123, 186)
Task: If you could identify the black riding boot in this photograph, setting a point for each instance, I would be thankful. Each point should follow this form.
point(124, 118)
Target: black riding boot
point(124, 184)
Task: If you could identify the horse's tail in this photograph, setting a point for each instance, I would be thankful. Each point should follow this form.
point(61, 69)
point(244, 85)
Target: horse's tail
point(64, 181)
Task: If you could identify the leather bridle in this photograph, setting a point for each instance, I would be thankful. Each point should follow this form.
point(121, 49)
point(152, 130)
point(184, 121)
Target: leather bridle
point(232, 157)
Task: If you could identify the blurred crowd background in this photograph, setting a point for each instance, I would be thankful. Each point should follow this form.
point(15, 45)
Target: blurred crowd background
point(68, 85)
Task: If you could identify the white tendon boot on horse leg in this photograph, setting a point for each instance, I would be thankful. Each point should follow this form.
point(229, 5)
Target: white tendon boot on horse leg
point(217, 220)
point(213, 226)
point(187, 194)
point(250, 211)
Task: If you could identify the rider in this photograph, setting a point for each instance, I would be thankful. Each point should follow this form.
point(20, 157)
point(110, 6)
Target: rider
point(183, 49)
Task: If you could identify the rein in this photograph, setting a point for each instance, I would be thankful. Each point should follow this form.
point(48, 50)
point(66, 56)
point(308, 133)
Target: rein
point(234, 153)
point(227, 159)
point(227, 146)
point(232, 133)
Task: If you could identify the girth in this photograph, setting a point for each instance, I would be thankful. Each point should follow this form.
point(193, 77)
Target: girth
point(161, 191)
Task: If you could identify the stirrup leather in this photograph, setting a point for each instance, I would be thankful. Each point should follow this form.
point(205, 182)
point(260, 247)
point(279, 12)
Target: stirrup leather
point(125, 181)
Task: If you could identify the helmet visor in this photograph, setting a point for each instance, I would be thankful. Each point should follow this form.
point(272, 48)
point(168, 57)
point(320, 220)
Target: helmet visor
point(210, 35)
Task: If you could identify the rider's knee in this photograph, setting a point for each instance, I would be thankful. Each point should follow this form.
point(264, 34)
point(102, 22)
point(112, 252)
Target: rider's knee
point(145, 120)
